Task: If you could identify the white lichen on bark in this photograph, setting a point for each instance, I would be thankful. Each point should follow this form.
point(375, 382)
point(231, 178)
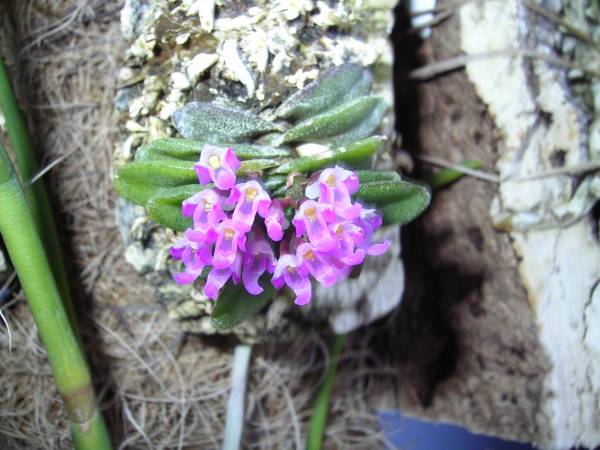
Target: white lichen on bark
point(537, 116)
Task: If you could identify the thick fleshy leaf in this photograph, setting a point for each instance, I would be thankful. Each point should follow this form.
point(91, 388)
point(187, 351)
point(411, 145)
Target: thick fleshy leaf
point(274, 182)
point(170, 148)
point(338, 85)
point(399, 201)
point(139, 180)
point(246, 152)
point(348, 122)
point(407, 210)
point(235, 305)
point(255, 166)
point(188, 150)
point(352, 154)
point(164, 206)
point(367, 176)
point(216, 124)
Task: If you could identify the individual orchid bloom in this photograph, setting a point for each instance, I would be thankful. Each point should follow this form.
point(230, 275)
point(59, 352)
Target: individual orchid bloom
point(206, 209)
point(257, 260)
point(229, 239)
point(335, 187)
point(275, 221)
point(249, 198)
point(370, 221)
point(218, 277)
point(289, 270)
point(312, 218)
point(342, 270)
point(194, 258)
point(217, 164)
point(317, 264)
point(349, 237)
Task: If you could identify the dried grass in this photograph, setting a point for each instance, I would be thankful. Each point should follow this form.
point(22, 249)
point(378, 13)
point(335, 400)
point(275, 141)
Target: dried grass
point(159, 388)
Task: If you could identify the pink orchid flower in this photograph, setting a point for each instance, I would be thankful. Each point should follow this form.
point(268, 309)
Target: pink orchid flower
point(256, 261)
point(206, 209)
point(195, 258)
point(335, 187)
point(249, 198)
point(349, 236)
point(275, 221)
point(218, 165)
point(229, 239)
point(370, 221)
point(218, 277)
point(290, 271)
point(317, 264)
point(312, 218)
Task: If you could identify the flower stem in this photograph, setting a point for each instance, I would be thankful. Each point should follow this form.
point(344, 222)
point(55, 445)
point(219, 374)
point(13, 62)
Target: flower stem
point(69, 367)
point(444, 177)
point(36, 194)
point(316, 427)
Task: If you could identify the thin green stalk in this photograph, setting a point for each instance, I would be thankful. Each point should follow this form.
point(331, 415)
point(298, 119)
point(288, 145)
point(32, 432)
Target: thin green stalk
point(68, 363)
point(444, 177)
point(36, 194)
point(316, 427)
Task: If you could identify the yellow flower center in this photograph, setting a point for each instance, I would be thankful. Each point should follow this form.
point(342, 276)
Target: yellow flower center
point(251, 194)
point(228, 233)
point(339, 229)
point(291, 269)
point(208, 206)
point(214, 161)
point(309, 255)
point(330, 180)
point(311, 213)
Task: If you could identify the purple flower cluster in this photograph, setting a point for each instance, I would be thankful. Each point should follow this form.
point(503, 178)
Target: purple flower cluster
point(331, 233)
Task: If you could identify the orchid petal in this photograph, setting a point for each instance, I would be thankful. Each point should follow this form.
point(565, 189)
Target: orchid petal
point(215, 281)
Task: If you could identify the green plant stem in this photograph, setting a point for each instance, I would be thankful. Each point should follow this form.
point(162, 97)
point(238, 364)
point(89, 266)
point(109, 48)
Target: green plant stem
point(69, 367)
point(444, 177)
point(316, 427)
point(36, 194)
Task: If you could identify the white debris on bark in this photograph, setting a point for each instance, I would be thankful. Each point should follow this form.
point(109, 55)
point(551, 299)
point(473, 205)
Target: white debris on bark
point(560, 261)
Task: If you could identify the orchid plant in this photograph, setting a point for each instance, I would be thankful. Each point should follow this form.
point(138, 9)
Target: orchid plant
point(258, 214)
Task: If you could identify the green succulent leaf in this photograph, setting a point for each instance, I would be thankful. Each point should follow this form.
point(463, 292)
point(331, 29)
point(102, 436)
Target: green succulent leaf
point(188, 150)
point(235, 304)
point(254, 151)
point(274, 182)
point(341, 125)
point(139, 180)
point(351, 154)
point(170, 148)
point(164, 207)
point(338, 85)
point(255, 166)
point(366, 176)
point(399, 201)
point(216, 124)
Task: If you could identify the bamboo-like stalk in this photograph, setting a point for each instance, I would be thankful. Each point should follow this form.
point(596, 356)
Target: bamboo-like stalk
point(36, 194)
point(68, 363)
point(316, 427)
